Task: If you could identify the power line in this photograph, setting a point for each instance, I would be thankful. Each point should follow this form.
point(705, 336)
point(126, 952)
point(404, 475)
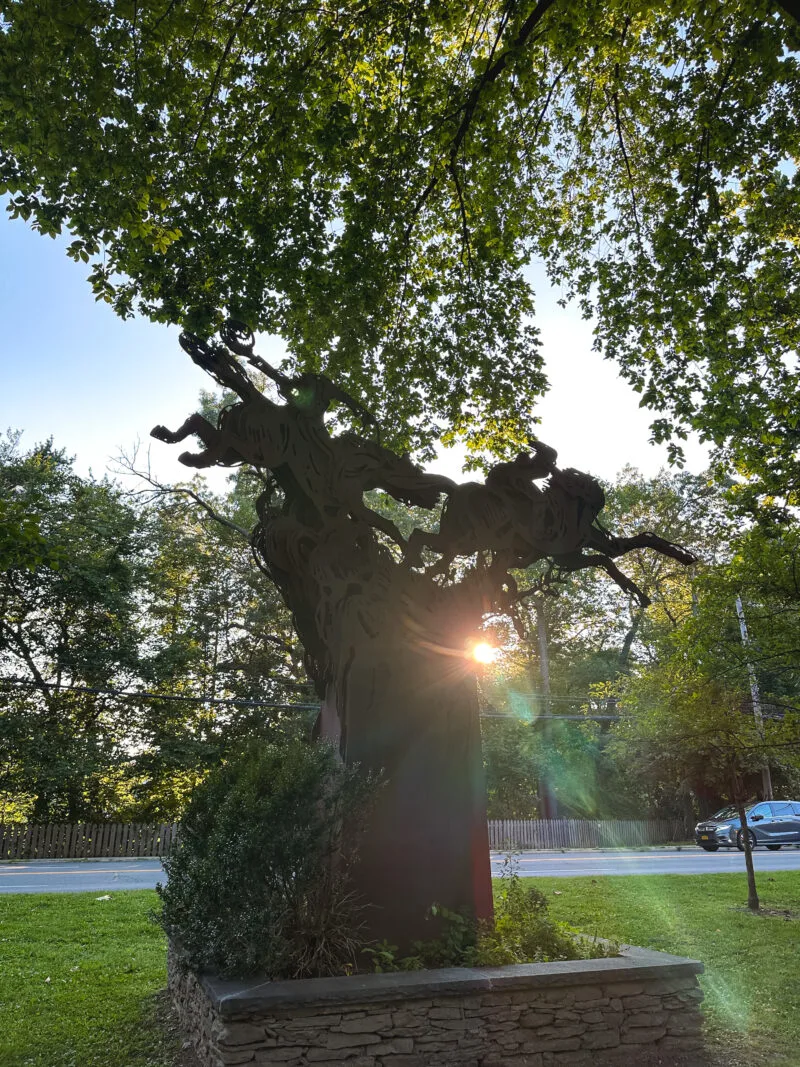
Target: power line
point(141, 694)
point(24, 683)
point(540, 718)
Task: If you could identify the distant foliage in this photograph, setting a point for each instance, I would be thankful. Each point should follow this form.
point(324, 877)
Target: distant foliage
point(106, 598)
point(260, 882)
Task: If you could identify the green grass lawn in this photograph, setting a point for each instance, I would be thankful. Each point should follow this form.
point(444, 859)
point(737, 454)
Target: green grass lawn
point(752, 962)
point(79, 977)
point(78, 982)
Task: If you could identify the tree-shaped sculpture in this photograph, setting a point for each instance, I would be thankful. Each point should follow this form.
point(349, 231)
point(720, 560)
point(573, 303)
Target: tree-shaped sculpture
point(387, 640)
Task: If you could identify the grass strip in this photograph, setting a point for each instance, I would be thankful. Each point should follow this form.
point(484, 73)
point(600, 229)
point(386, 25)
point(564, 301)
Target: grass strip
point(752, 962)
point(79, 978)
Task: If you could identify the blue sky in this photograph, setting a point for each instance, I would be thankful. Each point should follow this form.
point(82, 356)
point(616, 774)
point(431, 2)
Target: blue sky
point(70, 369)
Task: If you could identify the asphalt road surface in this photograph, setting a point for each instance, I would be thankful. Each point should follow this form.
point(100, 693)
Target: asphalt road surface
point(689, 860)
point(79, 876)
point(106, 876)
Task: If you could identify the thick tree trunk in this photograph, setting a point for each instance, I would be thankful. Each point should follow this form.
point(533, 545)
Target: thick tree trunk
point(409, 710)
point(388, 648)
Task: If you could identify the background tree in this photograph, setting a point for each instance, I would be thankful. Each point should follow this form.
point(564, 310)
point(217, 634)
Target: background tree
point(108, 599)
point(685, 724)
point(73, 625)
point(688, 713)
point(597, 634)
point(212, 628)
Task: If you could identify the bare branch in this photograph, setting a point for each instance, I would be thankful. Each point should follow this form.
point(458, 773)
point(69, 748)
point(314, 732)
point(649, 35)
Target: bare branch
point(127, 466)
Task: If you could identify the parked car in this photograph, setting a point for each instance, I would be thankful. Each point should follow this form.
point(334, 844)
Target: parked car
point(771, 823)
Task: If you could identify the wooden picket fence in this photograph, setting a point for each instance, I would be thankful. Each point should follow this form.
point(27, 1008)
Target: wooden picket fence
point(19, 841)
point(583, 833)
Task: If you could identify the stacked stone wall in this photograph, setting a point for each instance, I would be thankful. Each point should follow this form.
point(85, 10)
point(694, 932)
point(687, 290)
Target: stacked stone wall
point(503, 1017)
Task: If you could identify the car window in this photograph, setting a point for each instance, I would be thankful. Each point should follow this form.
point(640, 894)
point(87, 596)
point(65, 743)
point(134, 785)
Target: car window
point(725, 813)
point(781, 808)
point(796, 809)
point(760, 809)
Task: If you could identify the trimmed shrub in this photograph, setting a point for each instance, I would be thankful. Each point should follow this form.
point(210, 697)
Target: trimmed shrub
point(260, 881)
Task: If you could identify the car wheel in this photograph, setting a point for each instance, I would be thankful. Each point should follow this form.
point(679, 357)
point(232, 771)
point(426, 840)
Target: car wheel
point(773, 848)
point(709, 848)
point(740, 840)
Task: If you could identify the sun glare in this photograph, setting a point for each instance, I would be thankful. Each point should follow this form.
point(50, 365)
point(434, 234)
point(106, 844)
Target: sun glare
point(483, 652)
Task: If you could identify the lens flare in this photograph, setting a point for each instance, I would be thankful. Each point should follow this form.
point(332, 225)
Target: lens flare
point(483, 652)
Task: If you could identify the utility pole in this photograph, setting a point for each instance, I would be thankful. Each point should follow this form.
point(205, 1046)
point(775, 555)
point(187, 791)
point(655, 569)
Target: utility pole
point(766, 777)
point(549, 804)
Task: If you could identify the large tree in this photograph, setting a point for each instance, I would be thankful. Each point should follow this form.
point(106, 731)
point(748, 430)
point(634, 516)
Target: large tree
point(370, 180)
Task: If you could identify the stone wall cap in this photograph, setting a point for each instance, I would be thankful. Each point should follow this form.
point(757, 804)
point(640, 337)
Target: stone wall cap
point(257, 995)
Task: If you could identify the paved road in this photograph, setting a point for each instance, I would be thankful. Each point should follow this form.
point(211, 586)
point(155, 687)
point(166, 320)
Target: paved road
point(552, 864)
point(66, 876)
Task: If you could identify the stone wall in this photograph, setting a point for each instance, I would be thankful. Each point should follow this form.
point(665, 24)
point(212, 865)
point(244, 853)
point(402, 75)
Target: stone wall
point(638, 1008)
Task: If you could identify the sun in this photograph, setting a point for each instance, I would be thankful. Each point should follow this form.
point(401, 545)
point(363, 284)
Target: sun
point(483, 652)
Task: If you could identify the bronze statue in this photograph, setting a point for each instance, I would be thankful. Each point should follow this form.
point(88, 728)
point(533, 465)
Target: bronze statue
point(332, 473)
point(385, 637)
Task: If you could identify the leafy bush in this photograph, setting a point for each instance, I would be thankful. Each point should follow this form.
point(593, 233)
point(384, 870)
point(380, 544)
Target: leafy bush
point(260, 881)
point(522, 932)
point(454, 946)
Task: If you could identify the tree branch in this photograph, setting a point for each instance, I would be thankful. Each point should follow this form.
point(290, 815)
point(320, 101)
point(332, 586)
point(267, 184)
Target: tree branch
point(621, 140)
point(220, 67)
point(490, 75)
point(159, 489)
point(463, 212)
point(27, 656)
point(790, 8)
point(494, 70)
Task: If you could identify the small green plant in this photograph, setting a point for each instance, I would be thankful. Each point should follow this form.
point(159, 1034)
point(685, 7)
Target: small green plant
point(456, 942)
point(260, 883)
point(524, 932)
point(453, 947)
point(385, 959)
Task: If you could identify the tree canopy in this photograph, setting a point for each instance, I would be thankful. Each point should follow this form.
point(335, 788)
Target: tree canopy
point(370, 181)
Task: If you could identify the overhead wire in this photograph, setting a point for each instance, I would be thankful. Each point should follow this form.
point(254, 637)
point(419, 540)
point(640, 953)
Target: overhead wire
point(146, 694)
point(24, 683)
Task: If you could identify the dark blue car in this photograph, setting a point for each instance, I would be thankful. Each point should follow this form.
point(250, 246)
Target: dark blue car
point(771, 823)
